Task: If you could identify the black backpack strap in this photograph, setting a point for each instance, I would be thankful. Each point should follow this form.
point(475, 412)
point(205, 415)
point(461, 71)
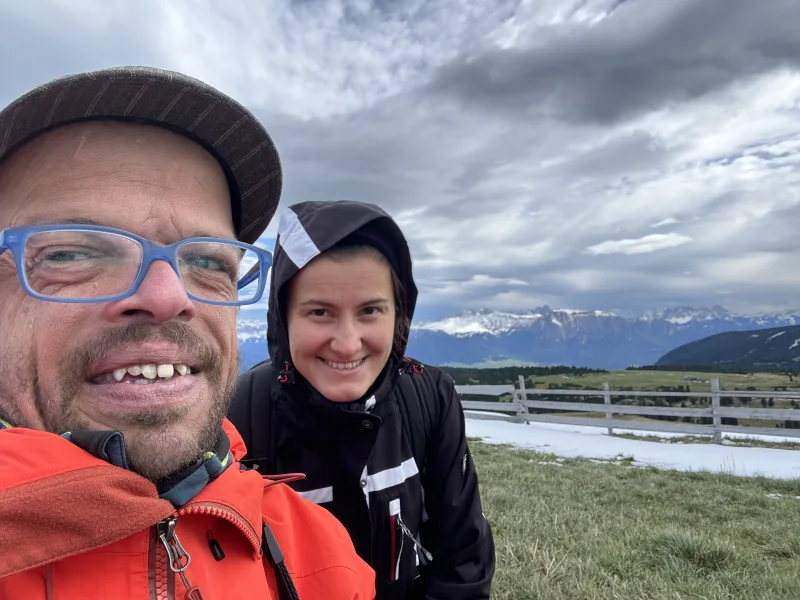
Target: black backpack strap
point(414, 425)
point(418, 401)
point(252, 414)
point(272, 552)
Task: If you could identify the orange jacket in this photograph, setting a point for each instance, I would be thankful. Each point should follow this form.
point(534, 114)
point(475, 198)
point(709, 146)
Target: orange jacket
point(73, 526)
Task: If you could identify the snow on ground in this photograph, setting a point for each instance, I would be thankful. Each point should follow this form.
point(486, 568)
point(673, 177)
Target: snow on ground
point(593, 442)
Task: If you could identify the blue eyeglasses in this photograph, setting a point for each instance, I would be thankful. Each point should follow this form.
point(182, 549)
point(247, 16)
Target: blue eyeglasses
point(90, 263)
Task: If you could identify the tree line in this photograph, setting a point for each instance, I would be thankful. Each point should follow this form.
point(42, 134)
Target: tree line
point(510, 375)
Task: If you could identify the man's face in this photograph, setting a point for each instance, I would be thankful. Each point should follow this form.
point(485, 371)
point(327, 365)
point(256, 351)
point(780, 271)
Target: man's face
point(58, 358)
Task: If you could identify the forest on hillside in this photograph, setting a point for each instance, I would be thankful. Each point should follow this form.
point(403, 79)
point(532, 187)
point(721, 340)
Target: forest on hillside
point(510, 375)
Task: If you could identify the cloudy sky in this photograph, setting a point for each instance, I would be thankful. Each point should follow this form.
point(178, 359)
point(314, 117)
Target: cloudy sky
point(622, 155)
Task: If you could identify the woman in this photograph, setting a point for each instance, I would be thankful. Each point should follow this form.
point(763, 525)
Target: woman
point(379, 437)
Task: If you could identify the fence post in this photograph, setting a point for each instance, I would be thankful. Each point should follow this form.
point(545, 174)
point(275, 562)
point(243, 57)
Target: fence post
point(522, 410)
point(607, 401)
point(715, 413)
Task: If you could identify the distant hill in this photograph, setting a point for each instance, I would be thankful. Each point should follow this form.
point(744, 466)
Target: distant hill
point(774, 349)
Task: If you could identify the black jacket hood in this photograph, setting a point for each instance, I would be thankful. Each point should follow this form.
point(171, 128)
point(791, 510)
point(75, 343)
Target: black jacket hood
point(307, 230)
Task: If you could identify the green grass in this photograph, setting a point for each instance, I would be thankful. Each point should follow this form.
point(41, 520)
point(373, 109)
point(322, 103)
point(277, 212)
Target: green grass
point(650, 380)
point(707, 439)
point(579, 530)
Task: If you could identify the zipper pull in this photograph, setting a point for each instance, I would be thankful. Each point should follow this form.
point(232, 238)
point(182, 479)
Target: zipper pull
point(216, 549)
point(179, 559)
point(421, 551)
point(194, 594)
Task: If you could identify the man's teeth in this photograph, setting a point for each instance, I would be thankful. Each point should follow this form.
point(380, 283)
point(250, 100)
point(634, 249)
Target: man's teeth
point(343, 366)
point(151, 371)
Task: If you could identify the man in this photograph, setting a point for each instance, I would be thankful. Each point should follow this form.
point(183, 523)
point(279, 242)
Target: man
point(128, 202)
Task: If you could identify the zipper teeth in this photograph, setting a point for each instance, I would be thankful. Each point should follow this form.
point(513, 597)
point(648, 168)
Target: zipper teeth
point(161, 569)
point(228, 516)
point(393, 542)
point(399, 558)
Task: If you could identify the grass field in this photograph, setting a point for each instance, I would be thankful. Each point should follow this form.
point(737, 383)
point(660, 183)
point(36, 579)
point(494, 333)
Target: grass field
point(696, 382)
point(644, 419)
point(572, 529)
point(748, 442)
point(650, 380)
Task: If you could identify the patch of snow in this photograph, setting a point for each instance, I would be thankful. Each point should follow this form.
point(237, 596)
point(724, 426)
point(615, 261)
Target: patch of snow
point(772, 337)
point(596, 313)
point(795, 344)
point(681, 320)
point(485, 412)
point(594, 442)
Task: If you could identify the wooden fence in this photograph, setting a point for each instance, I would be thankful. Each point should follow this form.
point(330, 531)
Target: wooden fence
point(517, 410)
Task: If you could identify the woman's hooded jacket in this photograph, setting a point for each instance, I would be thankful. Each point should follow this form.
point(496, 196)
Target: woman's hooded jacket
point(417, 520)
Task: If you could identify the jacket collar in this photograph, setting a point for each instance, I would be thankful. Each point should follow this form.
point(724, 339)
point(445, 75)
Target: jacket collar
point(50, 485)
point(178, 488)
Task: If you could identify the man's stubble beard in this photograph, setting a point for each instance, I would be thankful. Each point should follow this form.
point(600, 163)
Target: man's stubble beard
point(161, 441)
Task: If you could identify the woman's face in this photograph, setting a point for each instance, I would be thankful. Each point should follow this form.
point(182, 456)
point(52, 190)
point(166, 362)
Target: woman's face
point(341, 321)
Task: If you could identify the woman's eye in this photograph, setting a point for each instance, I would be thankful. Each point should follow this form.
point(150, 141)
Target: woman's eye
point(372, 310)
point(318, 312)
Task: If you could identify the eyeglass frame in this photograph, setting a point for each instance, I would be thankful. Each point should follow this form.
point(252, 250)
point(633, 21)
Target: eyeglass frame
point(14, 239)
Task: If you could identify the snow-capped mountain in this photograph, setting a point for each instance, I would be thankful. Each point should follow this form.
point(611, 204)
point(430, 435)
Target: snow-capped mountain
point(496, 322)
point(684, 314)
point(546, 336)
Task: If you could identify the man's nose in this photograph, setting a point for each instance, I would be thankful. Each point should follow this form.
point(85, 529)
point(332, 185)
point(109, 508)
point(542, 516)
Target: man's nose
point(160, 298)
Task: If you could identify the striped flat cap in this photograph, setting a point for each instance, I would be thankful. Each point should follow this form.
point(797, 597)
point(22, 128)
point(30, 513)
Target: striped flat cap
point(226, 129)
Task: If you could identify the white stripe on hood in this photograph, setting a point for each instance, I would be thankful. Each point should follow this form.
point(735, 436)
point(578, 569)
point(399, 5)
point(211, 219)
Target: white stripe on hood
point(295, 241)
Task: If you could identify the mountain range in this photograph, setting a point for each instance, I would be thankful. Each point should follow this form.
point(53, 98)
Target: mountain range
point(545, 336)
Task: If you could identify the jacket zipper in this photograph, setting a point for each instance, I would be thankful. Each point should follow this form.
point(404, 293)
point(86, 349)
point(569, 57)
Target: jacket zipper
point(424, 555)
point(177, 559)
point(396, 563)
point(398, 531)
point(224, 512)
point(395, 535)
point(173, 556)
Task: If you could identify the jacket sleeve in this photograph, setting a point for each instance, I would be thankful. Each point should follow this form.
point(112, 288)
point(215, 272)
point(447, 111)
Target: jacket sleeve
point(457, 532)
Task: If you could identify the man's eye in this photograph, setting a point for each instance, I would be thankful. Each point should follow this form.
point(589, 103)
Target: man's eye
point(206, 262)
point(67, 256)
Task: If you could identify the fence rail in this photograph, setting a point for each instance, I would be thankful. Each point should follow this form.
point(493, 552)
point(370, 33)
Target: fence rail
point(520, 405)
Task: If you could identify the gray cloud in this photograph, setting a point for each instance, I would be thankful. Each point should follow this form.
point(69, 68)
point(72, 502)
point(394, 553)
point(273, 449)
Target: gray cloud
point(507, 137)
point(644, 56)
point(41, 40)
